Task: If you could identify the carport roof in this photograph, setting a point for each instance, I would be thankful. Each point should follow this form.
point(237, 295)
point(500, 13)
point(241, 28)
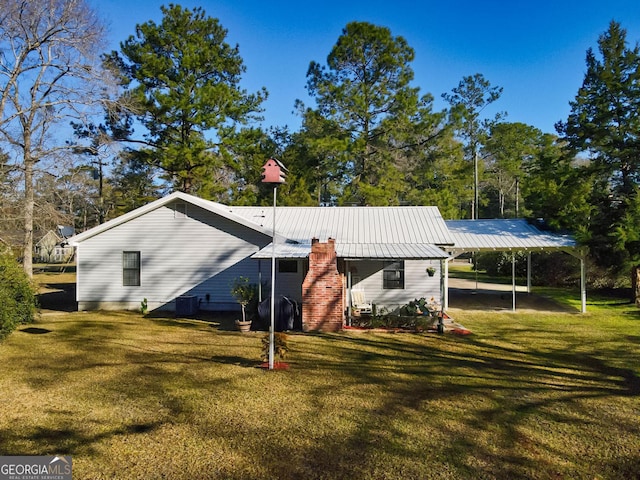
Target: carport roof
point(504, 235)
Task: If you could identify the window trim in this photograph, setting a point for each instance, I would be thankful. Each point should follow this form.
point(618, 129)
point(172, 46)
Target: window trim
point(127, 271)
point(391, 283)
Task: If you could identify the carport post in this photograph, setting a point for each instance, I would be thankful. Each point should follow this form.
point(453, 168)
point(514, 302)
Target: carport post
point(583, 283)
point(513, 279)
point(529, 272)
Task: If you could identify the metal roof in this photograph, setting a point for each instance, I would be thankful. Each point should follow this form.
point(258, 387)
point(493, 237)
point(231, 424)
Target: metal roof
point(284, 250)
point(388, 251)
point(354, 225)
point(504, 234)
point(367, 232)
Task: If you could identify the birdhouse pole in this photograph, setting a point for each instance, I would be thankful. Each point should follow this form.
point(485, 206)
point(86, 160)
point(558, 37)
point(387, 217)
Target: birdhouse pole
point(274, 174)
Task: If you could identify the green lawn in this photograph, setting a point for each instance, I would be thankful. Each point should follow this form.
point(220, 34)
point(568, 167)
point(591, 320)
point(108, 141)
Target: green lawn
point(525, 396)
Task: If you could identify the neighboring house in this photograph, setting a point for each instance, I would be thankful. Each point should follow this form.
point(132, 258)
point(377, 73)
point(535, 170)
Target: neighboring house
point(53, 246)
point(183, 246)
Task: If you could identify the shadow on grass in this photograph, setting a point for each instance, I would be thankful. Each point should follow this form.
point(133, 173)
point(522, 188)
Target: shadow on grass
point(236, 360)
point(64, 440)
point(524, 386)
point(35, 330)
point(61, 299)
point(489, 386)
point(224, 321)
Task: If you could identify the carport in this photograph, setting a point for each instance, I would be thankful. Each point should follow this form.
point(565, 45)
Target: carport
point(509, 235)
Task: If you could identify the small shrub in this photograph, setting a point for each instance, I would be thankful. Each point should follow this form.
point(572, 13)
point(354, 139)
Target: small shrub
point(144, 306)
point(18, 301)
point(280, 346)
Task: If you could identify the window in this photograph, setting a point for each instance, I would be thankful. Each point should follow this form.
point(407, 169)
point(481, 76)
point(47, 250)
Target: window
point(131, 269)
point(288, 266)
point(393, 275)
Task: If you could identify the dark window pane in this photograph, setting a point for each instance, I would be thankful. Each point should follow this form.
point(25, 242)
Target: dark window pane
point(131, 269)
point(393, 275)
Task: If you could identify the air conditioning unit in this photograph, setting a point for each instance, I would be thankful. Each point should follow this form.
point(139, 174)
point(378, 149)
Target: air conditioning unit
point(186, 305)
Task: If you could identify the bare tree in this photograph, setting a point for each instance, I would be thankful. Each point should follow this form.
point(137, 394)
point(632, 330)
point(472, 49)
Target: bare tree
point(50, 74)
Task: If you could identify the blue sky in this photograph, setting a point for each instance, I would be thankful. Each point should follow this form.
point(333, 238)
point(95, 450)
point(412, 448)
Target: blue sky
point(534, 50)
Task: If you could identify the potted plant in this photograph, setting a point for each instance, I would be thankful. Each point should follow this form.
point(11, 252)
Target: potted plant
point(431, 271)
point(244, 292)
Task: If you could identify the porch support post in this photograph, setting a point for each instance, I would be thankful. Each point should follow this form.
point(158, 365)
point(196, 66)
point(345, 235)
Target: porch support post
point(259, 281)
point(444, 284)
point(444, 265)
point(349, 286)
point(529, 272)
point(513, 280)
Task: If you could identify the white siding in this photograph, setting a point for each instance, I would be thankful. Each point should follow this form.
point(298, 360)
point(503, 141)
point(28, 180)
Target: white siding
point(417, 283)
point(287, 284)
point(290, 284)
point(199, 254)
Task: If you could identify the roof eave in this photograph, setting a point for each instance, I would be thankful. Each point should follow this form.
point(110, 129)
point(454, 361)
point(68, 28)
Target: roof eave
point(205, 204)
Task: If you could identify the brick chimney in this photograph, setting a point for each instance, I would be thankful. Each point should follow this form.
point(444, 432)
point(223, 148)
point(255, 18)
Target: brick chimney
point(323, 297)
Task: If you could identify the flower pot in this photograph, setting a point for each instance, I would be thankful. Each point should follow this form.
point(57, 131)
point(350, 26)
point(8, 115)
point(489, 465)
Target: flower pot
point(243, 326)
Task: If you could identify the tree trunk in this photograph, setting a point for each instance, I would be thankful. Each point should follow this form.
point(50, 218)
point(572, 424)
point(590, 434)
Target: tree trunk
point(517, 197)
point(635, 285)
point(27, 252)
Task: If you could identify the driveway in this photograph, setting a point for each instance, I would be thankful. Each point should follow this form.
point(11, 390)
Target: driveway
point(466, 295)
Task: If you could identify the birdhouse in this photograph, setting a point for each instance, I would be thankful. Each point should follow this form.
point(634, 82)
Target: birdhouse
point(273, 172)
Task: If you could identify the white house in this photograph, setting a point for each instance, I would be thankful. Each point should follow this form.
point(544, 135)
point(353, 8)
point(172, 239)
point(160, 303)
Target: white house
point(183, 246)
point(184, 252)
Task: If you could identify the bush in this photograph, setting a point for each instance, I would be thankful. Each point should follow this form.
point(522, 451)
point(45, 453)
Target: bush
point(18, 301)
point(280, 346)
point(498, 264)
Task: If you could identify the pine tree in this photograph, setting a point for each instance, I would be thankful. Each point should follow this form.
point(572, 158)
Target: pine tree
point(185, 79)
point(604, 123)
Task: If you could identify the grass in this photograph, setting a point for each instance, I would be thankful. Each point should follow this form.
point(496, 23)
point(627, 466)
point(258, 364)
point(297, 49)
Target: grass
point(536, 396)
